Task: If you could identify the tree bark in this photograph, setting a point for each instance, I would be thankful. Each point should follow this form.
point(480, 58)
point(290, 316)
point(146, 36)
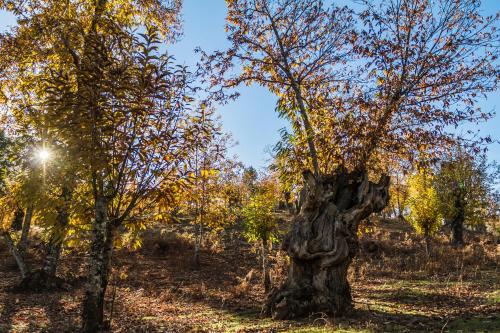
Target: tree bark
point(52, 257)
point(108, 255)
point(45, 278)
point(23, 242)
point(428, 245)
point(17, 222)
point(57, 238)
point(266, 279)
point(323, 241)
point(21, 264)
point(93, 303)
point(18, 250)
point(457, 223)
point(457, 238)
point(197, 244)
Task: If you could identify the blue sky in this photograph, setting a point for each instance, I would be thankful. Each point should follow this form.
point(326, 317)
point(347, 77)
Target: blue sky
point(251, 119)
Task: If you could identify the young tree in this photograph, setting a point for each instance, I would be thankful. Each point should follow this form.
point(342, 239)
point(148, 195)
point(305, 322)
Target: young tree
point(138, 146)
point(41, 180)
point(398, 191)
point(7, 213)
point(55, 217)
point(414, 61)
point(22, 195)
point(423, 203)
point(465, 188)
point(4, 160)
point(207, 163)
point(261, 222)
point(11, 215)
point(116, 102)
point(249, 179)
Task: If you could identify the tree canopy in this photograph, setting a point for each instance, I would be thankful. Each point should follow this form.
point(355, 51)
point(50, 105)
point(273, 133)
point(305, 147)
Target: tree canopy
point(107, 141)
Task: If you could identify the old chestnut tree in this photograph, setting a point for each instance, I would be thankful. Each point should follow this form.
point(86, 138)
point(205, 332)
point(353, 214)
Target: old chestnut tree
point(356, 87)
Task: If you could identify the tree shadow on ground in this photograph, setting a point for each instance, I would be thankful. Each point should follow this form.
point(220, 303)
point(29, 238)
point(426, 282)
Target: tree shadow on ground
point(27, 311)
point(418, 298)
point(385, 321)
point(8, 309)
point(34, 312)
point(208, 295)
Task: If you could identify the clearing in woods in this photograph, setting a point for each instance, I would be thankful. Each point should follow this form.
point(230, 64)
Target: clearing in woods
point(155, 291)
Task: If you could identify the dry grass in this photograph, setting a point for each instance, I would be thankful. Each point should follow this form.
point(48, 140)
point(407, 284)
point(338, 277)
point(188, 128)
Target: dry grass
point(392, 248)
point(395, 286)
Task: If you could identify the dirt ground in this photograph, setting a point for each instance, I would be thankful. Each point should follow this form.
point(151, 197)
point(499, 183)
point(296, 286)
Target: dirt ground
point(157, 289)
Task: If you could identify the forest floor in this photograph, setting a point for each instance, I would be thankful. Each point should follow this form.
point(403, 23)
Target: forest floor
point(157, 289)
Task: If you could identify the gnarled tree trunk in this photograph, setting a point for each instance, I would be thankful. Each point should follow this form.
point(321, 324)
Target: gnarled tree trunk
point(323, 241)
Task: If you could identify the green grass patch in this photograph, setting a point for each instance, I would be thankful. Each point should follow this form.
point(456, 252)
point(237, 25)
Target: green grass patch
point(477, 324)
point(327, 330)
point(493, 297)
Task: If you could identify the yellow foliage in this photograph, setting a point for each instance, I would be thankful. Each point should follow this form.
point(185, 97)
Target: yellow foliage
point(423, 203)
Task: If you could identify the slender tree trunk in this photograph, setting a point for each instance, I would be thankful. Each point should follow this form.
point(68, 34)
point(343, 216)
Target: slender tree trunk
point(52, 257)
point(428, 245)
point(21, 264)
point(108, 255)
point(457, 237)
point(45, 278)
point(197, 244)
point(15, 249)
point(307, 127)
point(55, 244)
point(300, 200)
point(457, 224)
point(265, 270)
point(23, 242)
point(323, 241)
point(58, 236)
point(93, 314)
point(309, 132)
point(288, 203)
point(93, 303)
